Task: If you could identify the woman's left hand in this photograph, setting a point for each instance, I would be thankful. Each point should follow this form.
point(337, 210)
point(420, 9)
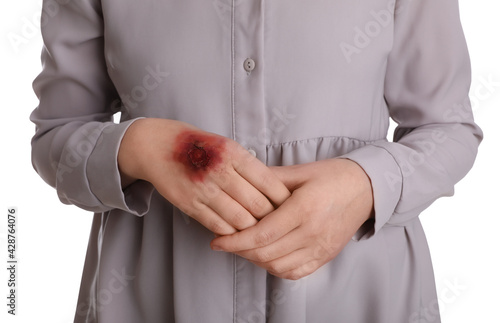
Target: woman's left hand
point(330, 200)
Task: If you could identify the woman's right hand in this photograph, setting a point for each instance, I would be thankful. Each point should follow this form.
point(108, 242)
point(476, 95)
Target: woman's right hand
point(209, 177)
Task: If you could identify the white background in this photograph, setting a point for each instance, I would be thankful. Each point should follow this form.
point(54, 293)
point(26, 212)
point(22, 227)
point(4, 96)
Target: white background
point(462, 230)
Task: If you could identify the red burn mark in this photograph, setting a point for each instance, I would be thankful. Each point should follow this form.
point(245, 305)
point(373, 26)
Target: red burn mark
point(199, 153)
point(198, 156)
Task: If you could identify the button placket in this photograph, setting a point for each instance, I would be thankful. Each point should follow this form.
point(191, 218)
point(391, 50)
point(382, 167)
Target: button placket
point(249, 123)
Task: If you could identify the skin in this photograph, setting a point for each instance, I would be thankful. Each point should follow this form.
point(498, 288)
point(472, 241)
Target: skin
point(199, 153)
point(330, 200)
point(227, 194)
point(289, 220)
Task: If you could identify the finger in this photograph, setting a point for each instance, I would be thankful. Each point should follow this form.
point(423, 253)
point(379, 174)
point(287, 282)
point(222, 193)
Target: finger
point(302, 271)
point(296, 265)
point(266, 231)
point(211, 220)
point(232, 211)
point(300, 263)
point(247, 196)
point(290, 176)
point(291, 242)
point(288, 263)
point(261, 177)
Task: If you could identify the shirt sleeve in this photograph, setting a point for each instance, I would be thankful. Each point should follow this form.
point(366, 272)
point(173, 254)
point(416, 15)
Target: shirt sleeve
point(75, 145)
point(426, 90)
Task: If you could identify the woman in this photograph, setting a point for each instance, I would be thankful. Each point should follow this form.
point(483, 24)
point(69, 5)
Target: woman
point(212, 95)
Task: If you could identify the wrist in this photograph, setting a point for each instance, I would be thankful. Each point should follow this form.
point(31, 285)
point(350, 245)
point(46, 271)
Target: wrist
point(364, 187)
point(127, 156)
point(144, 147)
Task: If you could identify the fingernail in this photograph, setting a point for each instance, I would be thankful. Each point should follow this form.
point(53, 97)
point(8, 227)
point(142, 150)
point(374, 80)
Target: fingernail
point(216, 248)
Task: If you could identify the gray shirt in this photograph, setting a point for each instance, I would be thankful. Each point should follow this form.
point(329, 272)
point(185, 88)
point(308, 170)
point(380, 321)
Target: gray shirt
point(294, 82)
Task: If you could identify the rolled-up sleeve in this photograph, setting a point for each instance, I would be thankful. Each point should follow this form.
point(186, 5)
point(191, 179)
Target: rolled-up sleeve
point(426, 91)
point(76, 142)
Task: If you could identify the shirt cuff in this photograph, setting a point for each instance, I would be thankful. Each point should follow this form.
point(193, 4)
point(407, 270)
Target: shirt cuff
point(104, 176)
point(387, 182)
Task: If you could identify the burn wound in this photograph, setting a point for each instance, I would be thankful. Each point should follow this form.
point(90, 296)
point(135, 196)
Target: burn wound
point(199, 153)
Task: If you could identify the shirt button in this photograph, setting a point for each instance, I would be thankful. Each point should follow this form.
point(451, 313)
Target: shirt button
point(249, 65)
point(252, 152)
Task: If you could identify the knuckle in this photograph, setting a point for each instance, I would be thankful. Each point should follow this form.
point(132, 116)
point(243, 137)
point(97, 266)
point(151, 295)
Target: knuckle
point(258, 206)
point(196, 205)
point(239, 156)
point(316, 229)
point(262, 256)
point(223, 178)
point(301, 272)
point(209, 191)
point(240, 219)
point(217, 226)
point(308, 268)
point(266, 180)
point(294, 275)
point(263, 238)
point(275, 268)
